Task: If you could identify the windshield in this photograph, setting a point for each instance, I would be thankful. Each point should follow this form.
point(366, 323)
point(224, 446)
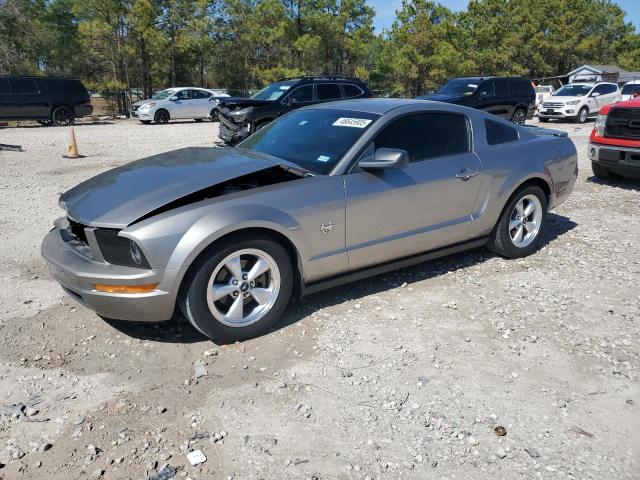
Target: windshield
point(461, 86)
point(629, 88)
point(272, 92)
point(163, 94)
point(573, 91)
point(312, 139)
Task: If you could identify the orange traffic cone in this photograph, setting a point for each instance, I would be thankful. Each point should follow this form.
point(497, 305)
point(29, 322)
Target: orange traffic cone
point(72, 149)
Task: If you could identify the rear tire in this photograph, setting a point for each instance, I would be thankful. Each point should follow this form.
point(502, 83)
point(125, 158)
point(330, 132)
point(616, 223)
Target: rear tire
point(63, 116)
point(519, 117)
point(161, 116)
point(600, 171)
point(225, 301)
point(213, 115)
point(521, 223)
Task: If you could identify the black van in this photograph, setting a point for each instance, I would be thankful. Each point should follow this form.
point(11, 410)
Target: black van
point(57, 101)
point(512, 98)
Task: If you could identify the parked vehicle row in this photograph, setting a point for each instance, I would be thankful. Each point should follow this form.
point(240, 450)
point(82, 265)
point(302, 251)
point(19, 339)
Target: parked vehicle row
point(177, 103)
point(49, 100)
point(240, 117)
point(322, 195)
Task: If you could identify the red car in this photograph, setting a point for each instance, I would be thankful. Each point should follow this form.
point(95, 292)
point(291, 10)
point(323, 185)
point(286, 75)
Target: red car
point(614, 146)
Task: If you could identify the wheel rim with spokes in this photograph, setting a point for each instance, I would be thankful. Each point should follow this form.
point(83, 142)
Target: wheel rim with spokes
point(583, 116)
point(243, 287)
point(163, 117)
point(63, 116)
point(525, 221)
point(519, 117)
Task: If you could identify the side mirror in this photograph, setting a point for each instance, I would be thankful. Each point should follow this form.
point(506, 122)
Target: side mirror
point(174, 98)
point(291, 102)
point(595, 94)
point(385, 158)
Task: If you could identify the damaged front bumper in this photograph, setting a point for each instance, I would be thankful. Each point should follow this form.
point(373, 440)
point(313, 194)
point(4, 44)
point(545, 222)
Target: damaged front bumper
point(73, 268)
point(231, 132)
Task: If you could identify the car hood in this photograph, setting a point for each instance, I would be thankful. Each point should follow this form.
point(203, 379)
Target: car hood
point(142, 102)
point(119, 197)
point(554, 99)
point(439, 97)
point(237, 102)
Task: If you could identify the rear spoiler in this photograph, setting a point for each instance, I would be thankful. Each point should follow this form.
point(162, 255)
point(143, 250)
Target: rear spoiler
point(545, 131)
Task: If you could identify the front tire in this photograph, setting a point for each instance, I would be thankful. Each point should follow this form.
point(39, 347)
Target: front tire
point(600, 171)
point(520, 226)
point(238, 289)
point(161, 116)
point(583, 115)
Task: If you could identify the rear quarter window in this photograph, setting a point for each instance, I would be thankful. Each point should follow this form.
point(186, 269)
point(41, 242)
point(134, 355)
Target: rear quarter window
point(351, 91)
point(497, 133)
point(60, 85)
point(522, 87)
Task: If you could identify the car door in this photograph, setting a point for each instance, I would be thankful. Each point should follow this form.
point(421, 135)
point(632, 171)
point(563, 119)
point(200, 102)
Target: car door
point(181, 104)
point(201, 104)
point(26, 99)
point(328, 92)
point(505, 101)
point(298, 97)
point(597, 98)
point(396, 213)
point(486, 97)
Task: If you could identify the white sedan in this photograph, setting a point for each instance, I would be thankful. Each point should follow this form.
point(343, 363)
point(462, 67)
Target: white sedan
point(177, 103)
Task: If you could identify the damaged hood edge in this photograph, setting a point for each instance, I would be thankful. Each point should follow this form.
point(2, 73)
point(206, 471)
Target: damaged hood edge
point(119, 197)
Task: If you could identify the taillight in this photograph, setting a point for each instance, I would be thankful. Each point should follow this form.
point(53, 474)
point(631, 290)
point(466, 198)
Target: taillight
point(601, 121)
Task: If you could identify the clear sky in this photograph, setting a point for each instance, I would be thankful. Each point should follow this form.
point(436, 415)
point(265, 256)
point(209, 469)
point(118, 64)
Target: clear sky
point(385, 10)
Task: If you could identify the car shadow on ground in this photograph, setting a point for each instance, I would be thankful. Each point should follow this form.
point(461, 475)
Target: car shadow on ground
point(178, 330)
point(619, 182)
point(75, 125)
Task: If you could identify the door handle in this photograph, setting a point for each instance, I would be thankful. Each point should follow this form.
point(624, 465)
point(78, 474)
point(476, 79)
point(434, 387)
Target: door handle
point(465, 174)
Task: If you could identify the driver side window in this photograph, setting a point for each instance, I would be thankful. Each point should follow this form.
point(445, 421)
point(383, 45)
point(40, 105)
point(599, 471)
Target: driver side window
point(302, 94)
point(487, 89)
point(183, 94)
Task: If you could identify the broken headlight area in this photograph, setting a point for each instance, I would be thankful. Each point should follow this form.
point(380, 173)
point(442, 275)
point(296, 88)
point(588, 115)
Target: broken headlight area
point(120, 250)
point(240, 115)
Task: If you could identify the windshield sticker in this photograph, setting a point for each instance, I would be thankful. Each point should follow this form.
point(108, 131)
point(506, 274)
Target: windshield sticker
point(324, 158)
point(303, 122)
point(285, 87)
point(352, 122)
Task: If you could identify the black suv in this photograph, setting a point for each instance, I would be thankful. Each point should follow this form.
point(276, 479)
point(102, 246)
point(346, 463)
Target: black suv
point(512, 98)
point(48, 100)
point(240, 117)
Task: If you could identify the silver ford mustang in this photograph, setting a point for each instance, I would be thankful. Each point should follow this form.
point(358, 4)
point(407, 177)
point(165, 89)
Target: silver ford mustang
point(324, 195)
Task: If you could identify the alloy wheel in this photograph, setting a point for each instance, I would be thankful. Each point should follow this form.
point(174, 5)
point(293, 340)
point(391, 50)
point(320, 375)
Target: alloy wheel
point(63, 116)
point(525, 221)
point(583, 115)
point(243, 287)
point(519, 117)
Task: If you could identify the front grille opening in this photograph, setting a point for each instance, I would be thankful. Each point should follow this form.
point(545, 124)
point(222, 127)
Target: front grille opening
point(623, 123)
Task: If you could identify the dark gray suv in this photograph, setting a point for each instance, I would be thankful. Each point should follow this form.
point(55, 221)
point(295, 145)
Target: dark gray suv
point(49, 100)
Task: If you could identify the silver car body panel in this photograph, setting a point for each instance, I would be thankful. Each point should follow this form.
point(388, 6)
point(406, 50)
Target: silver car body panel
point(373, 217)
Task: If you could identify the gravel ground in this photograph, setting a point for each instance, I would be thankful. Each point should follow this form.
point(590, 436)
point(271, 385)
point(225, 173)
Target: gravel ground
point(400, 376)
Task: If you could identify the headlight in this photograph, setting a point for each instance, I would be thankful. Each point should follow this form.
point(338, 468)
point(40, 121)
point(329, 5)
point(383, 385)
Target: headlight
point(573, 102)
point(120, 250)
point(146, 106)
point(601, 122)
point(241, 115)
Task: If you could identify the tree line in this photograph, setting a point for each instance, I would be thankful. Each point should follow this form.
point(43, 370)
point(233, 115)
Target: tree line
point(119, 46)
